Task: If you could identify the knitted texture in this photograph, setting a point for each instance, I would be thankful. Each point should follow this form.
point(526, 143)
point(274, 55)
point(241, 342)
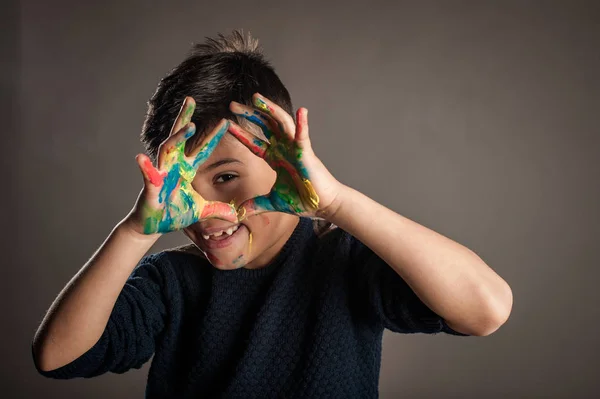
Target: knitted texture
point(308, 325)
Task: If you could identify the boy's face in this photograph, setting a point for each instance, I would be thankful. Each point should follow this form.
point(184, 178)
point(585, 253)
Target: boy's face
point(233, 173)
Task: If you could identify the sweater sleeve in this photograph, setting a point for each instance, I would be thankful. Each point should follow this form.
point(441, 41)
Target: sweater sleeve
point(390, 299)
point(128, 340)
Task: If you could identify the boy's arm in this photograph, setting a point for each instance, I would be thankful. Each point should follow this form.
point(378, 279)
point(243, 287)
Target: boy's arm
point(80, 313)
point(168, 202)
point(449, 278)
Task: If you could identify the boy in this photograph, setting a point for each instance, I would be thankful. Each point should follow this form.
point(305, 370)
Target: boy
point(259, 304)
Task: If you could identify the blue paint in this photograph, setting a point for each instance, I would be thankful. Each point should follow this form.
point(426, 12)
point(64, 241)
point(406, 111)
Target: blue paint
point(264, 203)
point(278, 203)
point(256, 120)
point(303, 171)
point(190, 132)
point(169, 185)
point(209, 147)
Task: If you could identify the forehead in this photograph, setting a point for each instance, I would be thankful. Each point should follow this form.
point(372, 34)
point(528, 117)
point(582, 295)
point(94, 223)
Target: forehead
point(229, 146)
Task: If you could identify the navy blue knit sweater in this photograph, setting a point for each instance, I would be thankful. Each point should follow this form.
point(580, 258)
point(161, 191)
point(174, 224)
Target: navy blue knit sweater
point(308, 325)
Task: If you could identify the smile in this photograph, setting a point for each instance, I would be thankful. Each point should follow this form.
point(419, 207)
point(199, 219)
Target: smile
point(222, 238)
point(228, 232)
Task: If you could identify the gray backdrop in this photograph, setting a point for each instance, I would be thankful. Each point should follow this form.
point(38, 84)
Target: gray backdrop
point(477, 119)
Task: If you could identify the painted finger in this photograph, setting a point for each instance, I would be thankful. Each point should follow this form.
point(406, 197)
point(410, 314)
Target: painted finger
point(171, 151)
point(219, 210)
point(152, 176)
point(285, 122)
point(202, 151)
point(184, 116)
point(255, 206)
point(254, 144)
point(268, 125)
point(302, 128)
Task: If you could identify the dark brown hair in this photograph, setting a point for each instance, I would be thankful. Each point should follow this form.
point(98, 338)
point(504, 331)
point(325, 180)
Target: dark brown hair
point(216, 72)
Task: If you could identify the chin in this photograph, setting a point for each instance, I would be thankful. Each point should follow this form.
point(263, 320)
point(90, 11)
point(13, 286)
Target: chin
point(250, 239)
point(225, 251)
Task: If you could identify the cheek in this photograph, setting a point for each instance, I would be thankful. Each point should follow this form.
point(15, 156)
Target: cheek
point(265, 219)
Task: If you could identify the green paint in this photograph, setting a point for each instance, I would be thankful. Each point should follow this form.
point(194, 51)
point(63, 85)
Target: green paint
point(187, 116)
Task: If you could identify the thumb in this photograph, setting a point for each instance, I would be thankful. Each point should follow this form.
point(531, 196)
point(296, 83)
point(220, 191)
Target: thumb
point(255, 206)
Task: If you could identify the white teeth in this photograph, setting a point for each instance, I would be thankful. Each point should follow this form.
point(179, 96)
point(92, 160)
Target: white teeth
point(229, 232)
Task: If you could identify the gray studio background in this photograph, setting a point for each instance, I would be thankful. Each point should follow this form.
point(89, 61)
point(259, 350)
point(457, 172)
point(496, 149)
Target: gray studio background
point(478, 119)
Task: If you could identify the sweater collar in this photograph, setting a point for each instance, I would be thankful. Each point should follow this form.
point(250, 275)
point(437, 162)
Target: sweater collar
point(294, 245)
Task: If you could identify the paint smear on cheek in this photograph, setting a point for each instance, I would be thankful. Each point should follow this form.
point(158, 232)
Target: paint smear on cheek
point(239, 261)
point(265, 219)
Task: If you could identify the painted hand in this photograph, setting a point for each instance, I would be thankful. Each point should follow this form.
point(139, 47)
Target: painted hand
point(303, 186)
point(168, 202)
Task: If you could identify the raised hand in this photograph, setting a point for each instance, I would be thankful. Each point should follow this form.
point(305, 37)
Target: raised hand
point(168, 202)
point(303, 185)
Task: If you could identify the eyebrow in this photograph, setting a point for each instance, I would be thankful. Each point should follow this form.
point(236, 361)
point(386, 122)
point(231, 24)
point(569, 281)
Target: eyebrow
point(220, 162)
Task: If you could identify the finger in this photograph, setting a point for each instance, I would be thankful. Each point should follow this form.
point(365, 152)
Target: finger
point(152, 177)
point(302, 128)
point(184, 116)
point(254, 144)
point(255, 206)
point(172, 149)
point(268, 126)
point(284, 120)
point(202, 151)
point(219, 210)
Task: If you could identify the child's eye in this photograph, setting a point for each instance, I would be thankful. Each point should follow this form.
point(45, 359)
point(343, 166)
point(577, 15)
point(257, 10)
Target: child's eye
point(224, 178)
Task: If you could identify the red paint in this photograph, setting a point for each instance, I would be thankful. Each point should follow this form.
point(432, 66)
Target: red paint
point(288, 167)
point(156, 178)
point(239, 134)
point(251, 207)
point(213, 259)
point(265, 219)
point(218, 209)
point(301, 117)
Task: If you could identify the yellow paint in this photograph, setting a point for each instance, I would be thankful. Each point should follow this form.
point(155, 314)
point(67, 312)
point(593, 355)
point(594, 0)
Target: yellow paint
point(241, 214)
point(260, 104)
point(309, 196)
point(250, 244)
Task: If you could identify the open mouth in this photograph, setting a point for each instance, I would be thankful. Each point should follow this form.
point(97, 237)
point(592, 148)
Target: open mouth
point(223, 238)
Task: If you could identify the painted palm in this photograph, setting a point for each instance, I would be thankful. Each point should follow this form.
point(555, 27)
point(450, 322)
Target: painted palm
point(293, 190)
point(171, 203)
